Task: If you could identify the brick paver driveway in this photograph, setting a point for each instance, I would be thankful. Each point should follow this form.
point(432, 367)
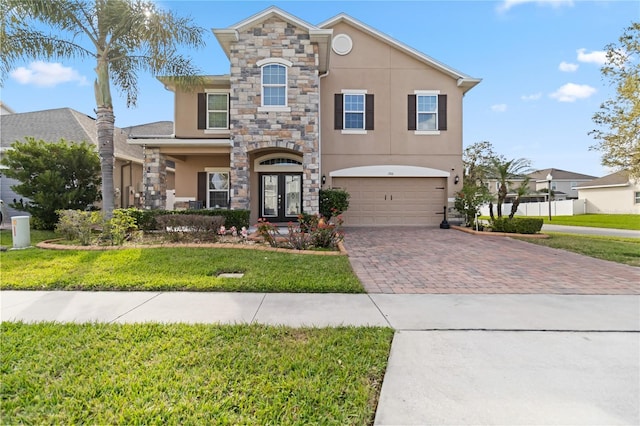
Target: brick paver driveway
point(433, 260)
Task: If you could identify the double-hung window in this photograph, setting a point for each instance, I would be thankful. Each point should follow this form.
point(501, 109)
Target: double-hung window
point(213, 111)
point(427, 112)
point(274, 80)
point(274, 85)
point(217, 111)
point(353, 111)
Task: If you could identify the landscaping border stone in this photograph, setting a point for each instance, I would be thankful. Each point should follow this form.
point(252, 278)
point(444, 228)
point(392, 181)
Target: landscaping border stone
point(498, 234)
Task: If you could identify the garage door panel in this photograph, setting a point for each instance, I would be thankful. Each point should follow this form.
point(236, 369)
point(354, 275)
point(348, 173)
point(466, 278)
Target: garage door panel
point(393, 201)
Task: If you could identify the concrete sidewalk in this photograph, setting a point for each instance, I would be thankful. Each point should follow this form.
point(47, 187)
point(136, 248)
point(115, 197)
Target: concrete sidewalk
point(455, 359)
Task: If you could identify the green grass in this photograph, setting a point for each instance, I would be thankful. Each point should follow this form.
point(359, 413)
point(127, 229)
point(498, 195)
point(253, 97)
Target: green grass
point(618, 221)
point(36, 237)
point(190, 374)
point(176, 269)
point(615, 249)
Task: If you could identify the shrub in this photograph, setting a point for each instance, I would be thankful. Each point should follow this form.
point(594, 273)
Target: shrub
point(516, 225)
point(268, 231)
point(52, 177)
point(77, 225)
point(119, 228)
point(190, 227)
point(298, 238)
point(333, 202)
point(328, 234)
point(146, 219)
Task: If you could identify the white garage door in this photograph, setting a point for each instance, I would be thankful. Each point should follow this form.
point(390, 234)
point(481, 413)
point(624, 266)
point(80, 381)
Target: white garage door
point(377, 201)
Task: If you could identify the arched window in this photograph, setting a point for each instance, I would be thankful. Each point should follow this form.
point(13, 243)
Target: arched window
point(274, 85)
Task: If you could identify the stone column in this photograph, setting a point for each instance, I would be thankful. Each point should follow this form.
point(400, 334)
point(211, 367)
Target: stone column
point(155, 179)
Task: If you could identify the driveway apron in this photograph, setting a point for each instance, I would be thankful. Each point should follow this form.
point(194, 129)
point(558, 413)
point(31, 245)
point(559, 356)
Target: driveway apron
point(433, 260)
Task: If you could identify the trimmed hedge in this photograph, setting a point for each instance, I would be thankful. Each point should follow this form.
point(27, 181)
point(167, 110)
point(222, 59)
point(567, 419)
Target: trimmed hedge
point(516, 225)
point(146, 219)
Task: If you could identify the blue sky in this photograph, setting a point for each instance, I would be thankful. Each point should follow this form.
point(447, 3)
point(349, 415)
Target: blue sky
point(539, 60)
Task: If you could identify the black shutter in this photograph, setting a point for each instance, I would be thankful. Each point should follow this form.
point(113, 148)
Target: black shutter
point(338, 109)
point(411, 112)
point(368, 120)
point(202, 188)
point(202, 110)
point(442, 112)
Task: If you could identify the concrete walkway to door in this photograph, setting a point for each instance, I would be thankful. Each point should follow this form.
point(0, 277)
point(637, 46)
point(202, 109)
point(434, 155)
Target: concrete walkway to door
point(434, 260)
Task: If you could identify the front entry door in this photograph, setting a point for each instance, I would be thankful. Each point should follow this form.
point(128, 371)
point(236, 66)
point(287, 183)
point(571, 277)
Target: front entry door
point(280, 196)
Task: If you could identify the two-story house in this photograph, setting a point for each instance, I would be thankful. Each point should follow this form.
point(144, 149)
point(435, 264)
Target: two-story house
point(306, 107)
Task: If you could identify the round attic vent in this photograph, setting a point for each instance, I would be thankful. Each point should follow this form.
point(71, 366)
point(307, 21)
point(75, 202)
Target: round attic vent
point(342, 44)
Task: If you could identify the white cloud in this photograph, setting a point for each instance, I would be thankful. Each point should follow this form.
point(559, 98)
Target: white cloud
point(598, 57)
point(47, 74)
point(508, 4)
point(499, 108)
point(532, 97)
point(568, 67)
point(571, 92)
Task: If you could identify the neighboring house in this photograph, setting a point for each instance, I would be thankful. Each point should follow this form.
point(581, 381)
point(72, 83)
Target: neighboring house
point(563, 182)
point(614, 193)
point(305, 107)
point(563, 185)
point(73, 126)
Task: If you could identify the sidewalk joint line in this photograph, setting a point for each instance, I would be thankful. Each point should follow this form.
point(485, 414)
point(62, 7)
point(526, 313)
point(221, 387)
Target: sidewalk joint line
point(134, 308)
point(253, 319)
point(381, 313)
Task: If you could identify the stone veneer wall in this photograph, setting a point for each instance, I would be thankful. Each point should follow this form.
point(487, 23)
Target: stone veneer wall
point(155, 179)
point(296, 130)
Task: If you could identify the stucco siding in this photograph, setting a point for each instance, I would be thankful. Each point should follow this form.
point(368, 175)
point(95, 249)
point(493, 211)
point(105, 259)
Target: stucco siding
point(613, 200)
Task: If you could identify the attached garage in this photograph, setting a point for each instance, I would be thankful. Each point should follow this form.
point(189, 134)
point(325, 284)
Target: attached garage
point(393, 195)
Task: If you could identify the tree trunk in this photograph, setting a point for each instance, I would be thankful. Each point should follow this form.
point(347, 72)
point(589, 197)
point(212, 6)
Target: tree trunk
point(491, 210)
point(105, 125)
point(105, 121)
point(514, 207)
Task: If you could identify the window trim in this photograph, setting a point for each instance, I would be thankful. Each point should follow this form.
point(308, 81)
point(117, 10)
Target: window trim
point(368, 114)
point(413, 113)
point(209, 171)
point(636, 196)
point(432, 93)
point(208, 92)
point(280, 63)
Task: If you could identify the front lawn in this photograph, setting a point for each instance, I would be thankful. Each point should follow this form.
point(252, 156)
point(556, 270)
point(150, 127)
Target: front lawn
point(177, 269)
point(615, 249)
point(190, 374)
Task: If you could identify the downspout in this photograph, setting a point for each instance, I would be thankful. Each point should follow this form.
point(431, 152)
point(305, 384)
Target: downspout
point(320, 130)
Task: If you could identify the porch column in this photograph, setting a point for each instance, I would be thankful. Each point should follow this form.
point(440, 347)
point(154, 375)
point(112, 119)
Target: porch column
point(155, 179)
point(239, 179)
point(311, 182)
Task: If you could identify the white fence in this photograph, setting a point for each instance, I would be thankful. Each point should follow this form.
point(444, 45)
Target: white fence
point(558, 208)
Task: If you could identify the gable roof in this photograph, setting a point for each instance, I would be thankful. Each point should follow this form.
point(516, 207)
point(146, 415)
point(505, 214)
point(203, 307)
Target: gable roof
point(227, 36)
point(155, 129)
point(620, 178)
point(464, 81)
point(55, 124)
point(559, 174)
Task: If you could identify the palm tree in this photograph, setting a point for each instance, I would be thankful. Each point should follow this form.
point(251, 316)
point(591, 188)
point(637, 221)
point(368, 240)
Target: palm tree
point(521, 191)
point(123, 37)
point(505, 170)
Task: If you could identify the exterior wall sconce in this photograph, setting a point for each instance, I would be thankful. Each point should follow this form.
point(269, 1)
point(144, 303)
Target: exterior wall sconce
point(324, 179)
point(456, 180)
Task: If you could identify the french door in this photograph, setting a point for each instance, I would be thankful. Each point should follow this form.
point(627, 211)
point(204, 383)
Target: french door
point(280, 196)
